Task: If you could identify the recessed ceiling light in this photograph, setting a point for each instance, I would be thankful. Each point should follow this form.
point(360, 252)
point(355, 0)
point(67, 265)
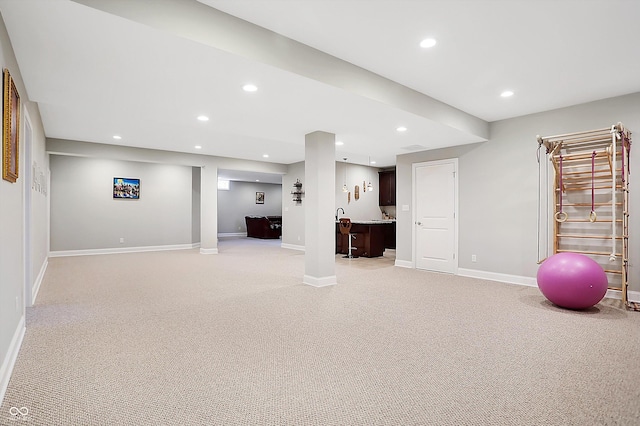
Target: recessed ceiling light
point(428, 42)
point(265, 155)
point(249, 88)
point(198, 147)
point(117, 137)
point(506, 93)
point(339, 143)
point(373, 162)
point(257, 180)
point(203, 118)
point(401, 129)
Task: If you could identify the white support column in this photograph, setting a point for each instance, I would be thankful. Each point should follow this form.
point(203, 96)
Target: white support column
point(319, 228)
point(209, 210)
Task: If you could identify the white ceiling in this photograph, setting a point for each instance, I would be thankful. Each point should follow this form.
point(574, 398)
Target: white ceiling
point(95, 74)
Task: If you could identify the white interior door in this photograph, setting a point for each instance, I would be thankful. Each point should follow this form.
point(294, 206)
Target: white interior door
point(435, 225)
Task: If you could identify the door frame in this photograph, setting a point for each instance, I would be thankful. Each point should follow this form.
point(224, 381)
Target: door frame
point(27, 175)
point(414, 195)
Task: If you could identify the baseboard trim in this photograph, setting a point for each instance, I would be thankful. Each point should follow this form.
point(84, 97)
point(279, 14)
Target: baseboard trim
point(90, 252)
point(496, 276)
point(404, 264)
point(231, 234)
point(319, 281)
point(10, 359)
point(208, 250)
point(36, 285)
point(292, 247)
point(634, 296)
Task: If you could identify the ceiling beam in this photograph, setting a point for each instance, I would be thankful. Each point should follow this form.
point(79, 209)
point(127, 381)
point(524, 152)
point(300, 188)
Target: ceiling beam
point(196, 21)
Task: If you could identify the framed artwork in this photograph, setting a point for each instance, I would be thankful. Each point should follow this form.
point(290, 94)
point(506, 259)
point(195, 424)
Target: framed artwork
point(126, 188)
point(10, 129)
point(259, 197)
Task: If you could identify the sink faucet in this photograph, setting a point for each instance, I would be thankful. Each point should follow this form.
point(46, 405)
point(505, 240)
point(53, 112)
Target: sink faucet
point(339, 208)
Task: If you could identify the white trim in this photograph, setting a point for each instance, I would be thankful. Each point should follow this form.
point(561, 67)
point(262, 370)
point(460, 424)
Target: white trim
point(27, 216)
point(292, 247)
point(36, 285)
point(10, 360)
point(404, 264)
point(208, 250)
point(634, 296)
point(496, 276)
point(232, 234)
point(89, 252)
point(319, 282)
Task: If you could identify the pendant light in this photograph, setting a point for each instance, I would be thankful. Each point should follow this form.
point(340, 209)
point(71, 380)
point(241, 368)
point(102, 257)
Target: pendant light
point(344, 186)
point(369, 186)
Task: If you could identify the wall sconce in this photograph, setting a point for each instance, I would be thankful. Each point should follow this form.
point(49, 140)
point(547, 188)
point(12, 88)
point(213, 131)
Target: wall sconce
point(297, 192)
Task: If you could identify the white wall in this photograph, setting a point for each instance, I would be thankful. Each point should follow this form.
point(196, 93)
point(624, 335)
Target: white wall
point(498, 184)
point(293, 214)
point(84, 214)
point(208, 171)
point(240, 201)
point(366, 207)
point(195, 204)
point(13, 263)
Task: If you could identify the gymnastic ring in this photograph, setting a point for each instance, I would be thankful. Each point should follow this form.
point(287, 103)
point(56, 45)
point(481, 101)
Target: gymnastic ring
point(561, 216)
point(592, 216)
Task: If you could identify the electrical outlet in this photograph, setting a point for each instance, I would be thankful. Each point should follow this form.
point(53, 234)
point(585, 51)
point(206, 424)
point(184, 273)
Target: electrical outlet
point(298, 237)
point(474, 258)
point(121, 240)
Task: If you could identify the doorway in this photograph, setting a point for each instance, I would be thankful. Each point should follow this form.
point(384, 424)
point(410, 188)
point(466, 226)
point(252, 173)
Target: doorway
point(435, 215)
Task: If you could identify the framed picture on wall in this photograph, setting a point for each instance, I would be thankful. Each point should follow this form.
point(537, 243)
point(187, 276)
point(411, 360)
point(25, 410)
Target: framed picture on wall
point(126, 188)
point(10, 127)
point(259, 197)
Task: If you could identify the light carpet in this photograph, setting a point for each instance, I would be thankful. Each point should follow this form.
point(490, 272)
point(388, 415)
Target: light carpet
point(180, 338)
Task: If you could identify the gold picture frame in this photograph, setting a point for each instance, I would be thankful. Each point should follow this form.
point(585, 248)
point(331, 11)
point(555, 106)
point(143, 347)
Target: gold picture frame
point(10, 129)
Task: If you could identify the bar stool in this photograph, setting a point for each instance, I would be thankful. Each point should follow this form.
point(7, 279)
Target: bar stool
point(345, 229)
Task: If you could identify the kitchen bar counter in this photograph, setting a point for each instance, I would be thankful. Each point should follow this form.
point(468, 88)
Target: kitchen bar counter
point(372, 237)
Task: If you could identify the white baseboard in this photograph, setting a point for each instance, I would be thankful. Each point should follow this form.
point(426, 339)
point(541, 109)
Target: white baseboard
point(404, 263)
point(208, 250)
point(634, 296)
point(292, 247)
point(495, 276)
point(232, 234)
point(319, 282)
point(36, 285)
point(116, 250)
point(6, 369)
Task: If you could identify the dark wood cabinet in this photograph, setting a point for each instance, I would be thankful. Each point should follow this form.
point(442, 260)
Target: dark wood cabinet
point(370, 241)
point(390, 236)
point(387, 185)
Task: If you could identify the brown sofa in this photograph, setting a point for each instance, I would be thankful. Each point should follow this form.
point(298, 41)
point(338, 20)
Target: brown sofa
point(264, 226)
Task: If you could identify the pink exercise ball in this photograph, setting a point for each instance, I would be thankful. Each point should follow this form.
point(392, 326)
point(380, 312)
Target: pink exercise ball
point(572, 280)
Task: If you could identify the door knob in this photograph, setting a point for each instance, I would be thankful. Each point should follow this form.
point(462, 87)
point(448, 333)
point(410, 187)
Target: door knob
point(418, 223)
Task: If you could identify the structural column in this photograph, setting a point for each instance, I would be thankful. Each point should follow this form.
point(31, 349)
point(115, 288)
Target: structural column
point(209, 210)
point(319, 228)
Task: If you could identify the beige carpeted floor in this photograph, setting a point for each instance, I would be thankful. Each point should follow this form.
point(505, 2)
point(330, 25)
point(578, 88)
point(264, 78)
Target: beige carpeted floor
point(179, 338)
